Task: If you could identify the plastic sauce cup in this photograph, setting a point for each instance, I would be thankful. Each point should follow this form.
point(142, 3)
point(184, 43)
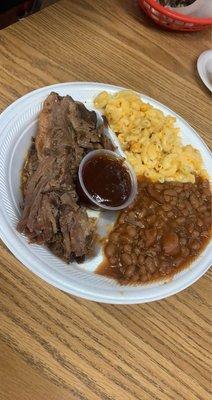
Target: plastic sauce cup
point(102, 176)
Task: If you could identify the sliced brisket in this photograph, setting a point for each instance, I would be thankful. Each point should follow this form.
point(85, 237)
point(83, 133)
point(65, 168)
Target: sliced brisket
point(52, 215)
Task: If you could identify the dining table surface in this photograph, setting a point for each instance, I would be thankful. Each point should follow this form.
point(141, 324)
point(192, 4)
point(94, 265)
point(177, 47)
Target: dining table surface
point(53, 345)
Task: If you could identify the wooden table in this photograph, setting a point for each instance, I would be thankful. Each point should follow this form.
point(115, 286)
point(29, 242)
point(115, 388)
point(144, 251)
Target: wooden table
point(54, 346)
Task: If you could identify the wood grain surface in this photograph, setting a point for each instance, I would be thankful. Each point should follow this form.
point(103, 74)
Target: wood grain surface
point(52, 345)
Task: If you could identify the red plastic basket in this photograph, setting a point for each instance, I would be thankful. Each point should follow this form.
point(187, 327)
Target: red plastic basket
point(169, 19)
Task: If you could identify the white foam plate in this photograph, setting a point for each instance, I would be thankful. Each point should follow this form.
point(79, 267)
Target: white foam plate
point(204, 68)
point(18, 124)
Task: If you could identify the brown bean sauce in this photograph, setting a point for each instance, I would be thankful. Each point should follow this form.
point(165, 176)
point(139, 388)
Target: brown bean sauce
point(107, 180)
point(165, 229)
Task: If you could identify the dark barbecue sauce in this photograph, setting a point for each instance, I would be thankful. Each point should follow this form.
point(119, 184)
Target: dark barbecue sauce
point(107, 180)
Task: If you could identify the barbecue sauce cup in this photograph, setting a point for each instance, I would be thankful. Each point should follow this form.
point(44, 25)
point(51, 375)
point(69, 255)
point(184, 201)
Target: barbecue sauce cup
point(106, 181)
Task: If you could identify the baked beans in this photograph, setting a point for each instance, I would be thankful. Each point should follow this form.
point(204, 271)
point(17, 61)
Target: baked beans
point(166, 228)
